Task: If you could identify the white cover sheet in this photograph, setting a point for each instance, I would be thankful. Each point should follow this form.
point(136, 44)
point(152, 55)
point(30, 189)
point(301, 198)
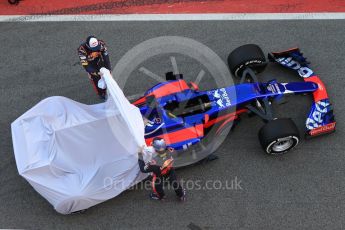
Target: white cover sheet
point(77, 155)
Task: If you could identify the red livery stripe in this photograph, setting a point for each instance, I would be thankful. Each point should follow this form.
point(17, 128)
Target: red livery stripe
point(323, 129)
point(181, 135)
point(321, 92)
point(170, 88)
point(140, 101)
point(224, 117)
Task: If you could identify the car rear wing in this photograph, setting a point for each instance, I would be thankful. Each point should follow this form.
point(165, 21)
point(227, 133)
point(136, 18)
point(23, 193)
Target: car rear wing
point(321, 118)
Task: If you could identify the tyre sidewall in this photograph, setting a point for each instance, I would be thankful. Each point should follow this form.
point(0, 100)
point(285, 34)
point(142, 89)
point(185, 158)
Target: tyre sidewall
point(246, 56)
point(270, 151)
point(255, 64)
point(275, 131)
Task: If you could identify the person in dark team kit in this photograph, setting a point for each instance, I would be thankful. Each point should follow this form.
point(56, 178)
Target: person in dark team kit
point(161, 168)
point(93, 56)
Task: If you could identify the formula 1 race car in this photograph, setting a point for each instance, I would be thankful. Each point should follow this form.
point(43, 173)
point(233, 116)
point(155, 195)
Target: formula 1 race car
point(182, 114)
point(78, 155)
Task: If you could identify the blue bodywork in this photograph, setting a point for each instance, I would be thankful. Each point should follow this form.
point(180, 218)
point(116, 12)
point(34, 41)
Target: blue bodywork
point(190, 109)
point(321, 113)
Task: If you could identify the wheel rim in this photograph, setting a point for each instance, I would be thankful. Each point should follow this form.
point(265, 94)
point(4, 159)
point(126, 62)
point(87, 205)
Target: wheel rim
point(283, 144)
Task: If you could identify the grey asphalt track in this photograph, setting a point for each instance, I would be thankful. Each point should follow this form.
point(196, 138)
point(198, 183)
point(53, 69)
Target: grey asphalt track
point(304, 189)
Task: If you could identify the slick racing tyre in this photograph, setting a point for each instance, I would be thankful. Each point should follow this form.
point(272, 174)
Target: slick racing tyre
point(279, 136)
point(245, 56)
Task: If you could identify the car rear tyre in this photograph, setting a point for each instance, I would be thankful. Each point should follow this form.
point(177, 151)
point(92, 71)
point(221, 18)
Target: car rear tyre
point(279, 136)
point(245, 56)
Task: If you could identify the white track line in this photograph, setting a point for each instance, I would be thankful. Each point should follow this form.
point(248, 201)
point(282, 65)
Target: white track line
point(172, 17)
point(174, 65)
point(199, 77)
point(151, 75)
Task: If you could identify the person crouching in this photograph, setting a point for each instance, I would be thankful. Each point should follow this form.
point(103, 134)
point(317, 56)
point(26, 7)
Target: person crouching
point(157, 160)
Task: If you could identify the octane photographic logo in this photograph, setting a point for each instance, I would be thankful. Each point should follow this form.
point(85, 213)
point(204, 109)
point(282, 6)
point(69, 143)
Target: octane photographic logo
point(147, 62)
point(232, 184)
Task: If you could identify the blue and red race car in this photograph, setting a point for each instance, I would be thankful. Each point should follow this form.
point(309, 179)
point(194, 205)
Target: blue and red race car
point(183, 115)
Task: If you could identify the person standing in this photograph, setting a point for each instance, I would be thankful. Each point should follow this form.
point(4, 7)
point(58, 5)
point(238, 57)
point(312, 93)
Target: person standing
point(93, 55)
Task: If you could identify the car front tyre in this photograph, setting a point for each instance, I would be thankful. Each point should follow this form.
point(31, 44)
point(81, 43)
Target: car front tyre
point(246, 56)
point(279, 136)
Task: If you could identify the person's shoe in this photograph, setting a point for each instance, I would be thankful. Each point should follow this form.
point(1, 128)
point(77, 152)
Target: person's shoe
point(154, 196)
point(183, 197)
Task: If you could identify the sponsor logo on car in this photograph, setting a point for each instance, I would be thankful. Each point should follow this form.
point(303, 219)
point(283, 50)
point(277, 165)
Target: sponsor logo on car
point(303, 71)
point(323, 129)
point(316, 118)
point(220, 103)
point(223, 97)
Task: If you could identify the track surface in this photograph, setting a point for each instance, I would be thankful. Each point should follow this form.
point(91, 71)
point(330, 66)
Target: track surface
point(302, 190)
